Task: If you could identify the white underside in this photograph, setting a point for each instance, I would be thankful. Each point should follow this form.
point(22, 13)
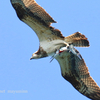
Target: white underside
point(48, 41)
point(51, 46)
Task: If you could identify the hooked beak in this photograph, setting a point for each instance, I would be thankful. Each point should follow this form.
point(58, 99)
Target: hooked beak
point(31, 58)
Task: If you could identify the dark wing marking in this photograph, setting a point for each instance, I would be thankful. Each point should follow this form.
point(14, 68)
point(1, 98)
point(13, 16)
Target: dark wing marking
point(75, 71)
point(33, 9)
point(77, 39)
point(37, 18)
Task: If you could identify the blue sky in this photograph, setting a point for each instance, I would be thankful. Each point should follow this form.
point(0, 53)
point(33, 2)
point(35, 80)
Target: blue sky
point(40, 79)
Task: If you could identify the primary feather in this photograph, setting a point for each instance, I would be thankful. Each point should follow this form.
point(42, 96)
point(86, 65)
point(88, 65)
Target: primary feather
point(74, 70)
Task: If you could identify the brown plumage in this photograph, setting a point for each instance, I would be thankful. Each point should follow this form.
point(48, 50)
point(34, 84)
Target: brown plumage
point(39, 20)
point(73, 68)
point(77, 39)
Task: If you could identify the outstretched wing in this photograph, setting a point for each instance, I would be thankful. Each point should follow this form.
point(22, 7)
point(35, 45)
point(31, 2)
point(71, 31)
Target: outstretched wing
point(37, 18)
point(75, 71)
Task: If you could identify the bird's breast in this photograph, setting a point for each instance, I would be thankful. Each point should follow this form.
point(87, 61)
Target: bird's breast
point(51, 46)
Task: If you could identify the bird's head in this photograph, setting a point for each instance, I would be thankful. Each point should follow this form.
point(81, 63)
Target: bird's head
point(34, 56)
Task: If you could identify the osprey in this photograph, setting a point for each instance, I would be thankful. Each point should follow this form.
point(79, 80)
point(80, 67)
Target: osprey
point(53, 43)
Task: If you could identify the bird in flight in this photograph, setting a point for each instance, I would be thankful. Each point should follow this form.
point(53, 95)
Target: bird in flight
point(53, 43)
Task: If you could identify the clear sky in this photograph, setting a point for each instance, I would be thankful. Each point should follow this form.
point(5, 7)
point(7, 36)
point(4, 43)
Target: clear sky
point(40, 79)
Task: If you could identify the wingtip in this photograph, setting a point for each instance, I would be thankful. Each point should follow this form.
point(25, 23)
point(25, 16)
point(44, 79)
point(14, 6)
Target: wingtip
point(55, 21)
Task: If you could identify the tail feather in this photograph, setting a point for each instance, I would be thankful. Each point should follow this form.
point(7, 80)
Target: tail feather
point(77, 39)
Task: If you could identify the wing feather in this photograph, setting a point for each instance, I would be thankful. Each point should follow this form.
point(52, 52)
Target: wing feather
point(75, 71)
point(77, 39)
point(37, 18)
point(33, 9)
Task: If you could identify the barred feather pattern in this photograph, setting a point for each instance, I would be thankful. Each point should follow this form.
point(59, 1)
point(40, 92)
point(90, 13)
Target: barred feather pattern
point(75, 71)
point(77, 39)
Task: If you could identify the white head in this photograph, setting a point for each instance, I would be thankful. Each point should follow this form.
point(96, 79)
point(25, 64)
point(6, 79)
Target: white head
point(35, 56)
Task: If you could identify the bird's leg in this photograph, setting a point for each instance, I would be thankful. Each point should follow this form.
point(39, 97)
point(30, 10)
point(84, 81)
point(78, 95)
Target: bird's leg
point(56, 53)
point(67, 44)
point(69, 47)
